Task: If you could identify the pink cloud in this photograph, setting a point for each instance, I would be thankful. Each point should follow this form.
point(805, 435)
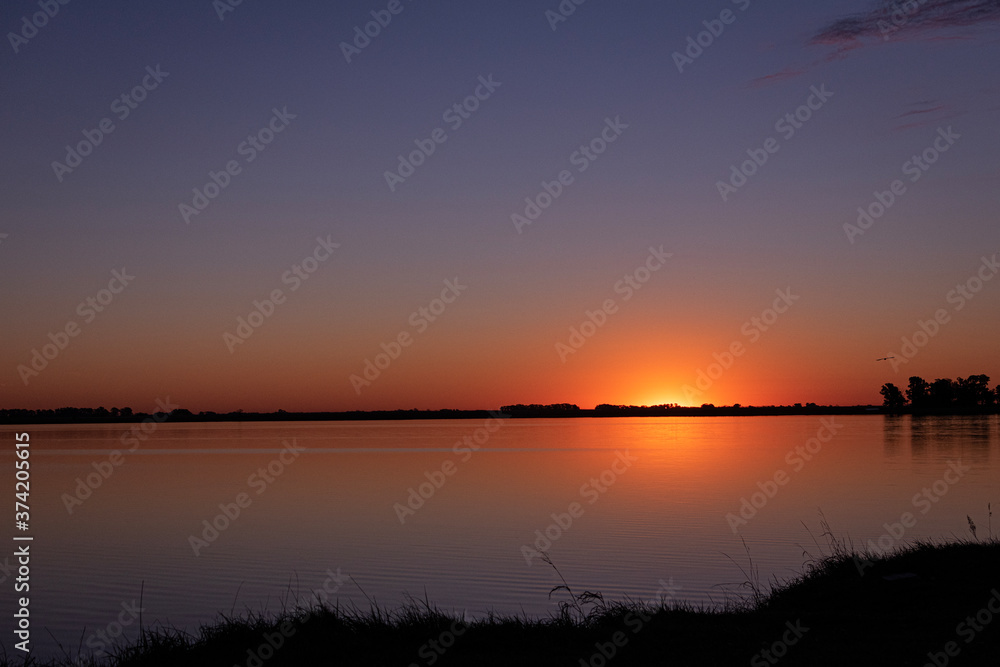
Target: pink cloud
point(787, 73)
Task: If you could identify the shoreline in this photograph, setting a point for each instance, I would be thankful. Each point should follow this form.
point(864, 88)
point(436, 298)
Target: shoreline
point(70, 416)
point(906, 606)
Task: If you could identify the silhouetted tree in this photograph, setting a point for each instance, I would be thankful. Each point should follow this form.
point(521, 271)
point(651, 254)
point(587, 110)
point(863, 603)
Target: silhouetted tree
point(973, 392)
point(892, 398)
point(942, 394)
point(918, 393)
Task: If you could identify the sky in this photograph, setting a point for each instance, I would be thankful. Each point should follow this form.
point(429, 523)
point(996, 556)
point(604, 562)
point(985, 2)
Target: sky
point(414, 204)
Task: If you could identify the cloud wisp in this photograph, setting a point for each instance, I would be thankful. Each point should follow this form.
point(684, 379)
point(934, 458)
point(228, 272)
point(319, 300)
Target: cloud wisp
point(892, 19)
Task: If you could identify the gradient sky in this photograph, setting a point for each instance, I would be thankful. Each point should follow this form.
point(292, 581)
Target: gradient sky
point(323, 176)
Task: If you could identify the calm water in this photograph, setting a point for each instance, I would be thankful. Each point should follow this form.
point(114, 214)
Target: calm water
point(650, 499)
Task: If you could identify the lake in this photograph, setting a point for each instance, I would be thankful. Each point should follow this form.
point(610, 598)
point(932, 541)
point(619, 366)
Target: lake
point(200, 519)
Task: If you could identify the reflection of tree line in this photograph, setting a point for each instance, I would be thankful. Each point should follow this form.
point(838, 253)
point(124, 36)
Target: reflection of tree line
point(931, 436)
point(936, 425)
point(971, 395)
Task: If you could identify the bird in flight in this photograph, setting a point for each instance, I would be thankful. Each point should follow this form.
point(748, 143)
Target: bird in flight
point(884, 358)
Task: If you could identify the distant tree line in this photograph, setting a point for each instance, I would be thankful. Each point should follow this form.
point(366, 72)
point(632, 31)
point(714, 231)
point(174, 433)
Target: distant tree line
point(70, 416)
point(662, 406)
point(126, 415)
point(553, 410)
point(537, 409)
point(942, 396)
point(711, 410)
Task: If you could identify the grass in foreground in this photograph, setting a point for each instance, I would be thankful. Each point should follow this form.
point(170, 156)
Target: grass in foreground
point(909, 607)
